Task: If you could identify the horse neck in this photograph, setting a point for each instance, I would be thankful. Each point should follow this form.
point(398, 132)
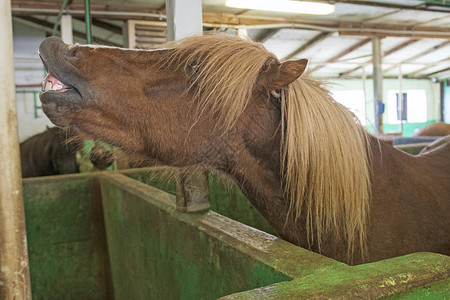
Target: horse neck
point(391, 165)
point(388, 161)
point(254, 160)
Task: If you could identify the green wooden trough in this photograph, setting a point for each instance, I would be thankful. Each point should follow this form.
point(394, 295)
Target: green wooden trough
point(112, 235)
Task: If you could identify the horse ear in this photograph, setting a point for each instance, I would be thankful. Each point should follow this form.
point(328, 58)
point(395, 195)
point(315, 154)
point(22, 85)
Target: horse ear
point(279, 75)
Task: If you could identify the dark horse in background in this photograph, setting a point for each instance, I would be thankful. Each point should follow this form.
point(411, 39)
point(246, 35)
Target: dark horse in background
point(54, 152)
point(226, 104)
point(47, 153)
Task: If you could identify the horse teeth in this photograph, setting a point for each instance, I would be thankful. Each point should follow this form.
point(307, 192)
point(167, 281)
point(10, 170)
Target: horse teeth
point(48, 86)
point(57, 87)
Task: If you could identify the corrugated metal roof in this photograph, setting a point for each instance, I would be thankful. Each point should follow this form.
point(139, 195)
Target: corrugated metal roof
point(413, 33)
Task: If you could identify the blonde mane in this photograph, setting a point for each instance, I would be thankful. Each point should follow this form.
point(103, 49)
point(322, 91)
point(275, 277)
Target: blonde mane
point(324, 151)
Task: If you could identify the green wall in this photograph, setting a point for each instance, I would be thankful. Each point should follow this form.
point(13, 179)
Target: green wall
point(225, 197)
point(66, 241)
point(107, 236)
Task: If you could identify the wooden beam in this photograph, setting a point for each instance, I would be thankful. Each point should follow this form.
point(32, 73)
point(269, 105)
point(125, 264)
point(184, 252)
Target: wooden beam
point(431, 21)
point(314, 41)
point(344, 28)
point(429, 66)
point(80, 6)
point(386, 53)
point(267, 34)
point(394, 30)
point(382, 16)
point(48, 27)
point(343, 53)
point(104, 25)
point(418, 71)
point(232, 20)
point(388, 33)
point(393, 6)
point(437, 72)
point(427, 51)
point(242, 12)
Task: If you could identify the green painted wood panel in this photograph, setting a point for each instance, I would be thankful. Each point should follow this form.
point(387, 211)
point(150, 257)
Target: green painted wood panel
point(225, 197)
point(157, 252)
point(152, 251)
point(66, 243)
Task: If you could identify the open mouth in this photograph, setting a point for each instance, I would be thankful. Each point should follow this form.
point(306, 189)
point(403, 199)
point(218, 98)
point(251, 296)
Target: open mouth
point(51, 83)
point(60, 101)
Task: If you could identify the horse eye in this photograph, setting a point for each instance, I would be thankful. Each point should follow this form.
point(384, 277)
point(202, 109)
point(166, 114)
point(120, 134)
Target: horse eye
point(193, 68)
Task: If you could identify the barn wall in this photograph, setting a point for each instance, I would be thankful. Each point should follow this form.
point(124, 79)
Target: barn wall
point(431, 90)
point(28, 70)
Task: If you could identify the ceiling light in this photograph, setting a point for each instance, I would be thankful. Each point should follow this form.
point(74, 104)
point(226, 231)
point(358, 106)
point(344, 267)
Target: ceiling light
point(299, 7)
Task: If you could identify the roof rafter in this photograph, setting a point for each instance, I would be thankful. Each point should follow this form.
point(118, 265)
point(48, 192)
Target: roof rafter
point(430, 21)
point(391, 5)
point(437, 72)
point(381, 16)
point(343, 53)
point(427, 51)
point(104, 25)
point(314, 41)
point(429, 66)
point(386, 53)
point(48, 27)
point(267, 34)
point(120, 11)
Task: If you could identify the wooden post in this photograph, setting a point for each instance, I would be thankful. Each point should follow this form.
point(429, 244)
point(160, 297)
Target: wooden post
point(14, 271)
point(193, 192)
point(377, 84)
point(184, 18)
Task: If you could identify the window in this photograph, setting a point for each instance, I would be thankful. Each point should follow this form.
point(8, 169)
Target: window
point(355, 102)
point(414, 106)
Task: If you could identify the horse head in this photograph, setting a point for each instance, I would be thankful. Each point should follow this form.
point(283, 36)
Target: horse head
point(161, 104)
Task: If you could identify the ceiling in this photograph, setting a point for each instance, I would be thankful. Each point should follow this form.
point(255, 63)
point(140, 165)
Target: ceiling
point(415, 35)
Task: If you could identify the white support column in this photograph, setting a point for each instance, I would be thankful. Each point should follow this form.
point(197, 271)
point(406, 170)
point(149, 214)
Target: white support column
point(377, 83)
point(242, 32)
point(184, 18)
point(127, 32)
point(14, 270)
point(66, 29)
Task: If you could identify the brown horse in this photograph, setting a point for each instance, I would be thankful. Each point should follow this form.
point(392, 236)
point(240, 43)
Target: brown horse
point(54, 152)
point(47, 153)
point(226, 104)
point(435, 129)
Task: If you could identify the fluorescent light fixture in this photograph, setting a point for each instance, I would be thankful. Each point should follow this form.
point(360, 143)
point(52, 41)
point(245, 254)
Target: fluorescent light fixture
point(299, 7)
